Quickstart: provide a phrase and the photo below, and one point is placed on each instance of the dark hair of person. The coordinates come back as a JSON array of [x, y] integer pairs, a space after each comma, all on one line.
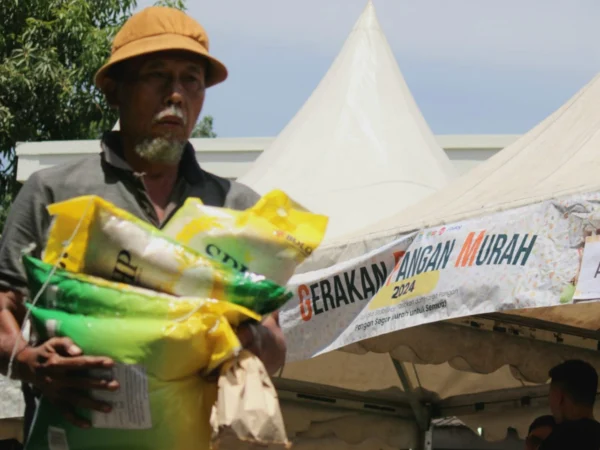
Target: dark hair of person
[[578, 379]]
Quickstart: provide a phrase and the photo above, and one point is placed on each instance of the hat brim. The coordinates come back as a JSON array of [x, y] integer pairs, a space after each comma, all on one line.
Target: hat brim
[[217, 72]]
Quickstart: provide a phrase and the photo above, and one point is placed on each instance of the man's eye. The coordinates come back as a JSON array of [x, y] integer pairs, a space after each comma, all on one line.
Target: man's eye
[[155, 76], [191, 79], [193, 82]]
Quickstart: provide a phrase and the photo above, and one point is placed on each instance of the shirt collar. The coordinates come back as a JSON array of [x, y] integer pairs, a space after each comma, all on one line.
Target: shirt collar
[[113, 155]]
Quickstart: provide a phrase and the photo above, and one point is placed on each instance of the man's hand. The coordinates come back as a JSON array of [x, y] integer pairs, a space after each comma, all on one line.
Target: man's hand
[[59, 370], [266, 341]]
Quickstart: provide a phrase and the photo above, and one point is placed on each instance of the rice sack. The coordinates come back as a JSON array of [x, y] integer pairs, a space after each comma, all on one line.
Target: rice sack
[[114, 244], [272, 238], [161, 345]]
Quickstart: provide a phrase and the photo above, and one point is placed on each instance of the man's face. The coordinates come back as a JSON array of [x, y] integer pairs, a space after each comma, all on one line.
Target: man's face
[[536, 437], [159, 99]]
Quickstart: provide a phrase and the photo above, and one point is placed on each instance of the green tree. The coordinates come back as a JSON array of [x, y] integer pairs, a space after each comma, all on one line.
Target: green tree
[[4, 206], [49, 53], [204, 128], [179, 4]]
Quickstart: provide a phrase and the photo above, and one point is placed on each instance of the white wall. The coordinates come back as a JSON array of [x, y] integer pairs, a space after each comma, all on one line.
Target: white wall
[[231, 157]]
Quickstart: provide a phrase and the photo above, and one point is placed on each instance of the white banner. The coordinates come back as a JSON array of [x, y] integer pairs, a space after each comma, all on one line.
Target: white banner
[[521, 258]]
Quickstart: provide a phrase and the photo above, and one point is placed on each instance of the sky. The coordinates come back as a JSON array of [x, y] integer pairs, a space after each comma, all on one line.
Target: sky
[[473, 66]]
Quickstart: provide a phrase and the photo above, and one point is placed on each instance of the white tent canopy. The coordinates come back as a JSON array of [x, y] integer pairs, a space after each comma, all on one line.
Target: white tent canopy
[[558, 157], [359, 143], [487, 370]]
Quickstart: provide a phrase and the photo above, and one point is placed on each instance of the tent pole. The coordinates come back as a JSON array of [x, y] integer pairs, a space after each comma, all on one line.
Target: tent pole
[[421, 413], [425, 440], [428, 439]]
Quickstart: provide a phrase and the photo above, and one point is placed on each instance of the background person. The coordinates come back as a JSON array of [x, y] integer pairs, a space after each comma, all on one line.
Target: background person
[[572, 396]]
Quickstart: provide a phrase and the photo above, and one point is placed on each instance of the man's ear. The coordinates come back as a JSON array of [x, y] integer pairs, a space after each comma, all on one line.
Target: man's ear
[[563, 397], [111, 92]]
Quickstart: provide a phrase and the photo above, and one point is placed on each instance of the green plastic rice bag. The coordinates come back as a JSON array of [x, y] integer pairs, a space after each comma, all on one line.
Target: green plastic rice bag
[[161, 345], [89, 235]]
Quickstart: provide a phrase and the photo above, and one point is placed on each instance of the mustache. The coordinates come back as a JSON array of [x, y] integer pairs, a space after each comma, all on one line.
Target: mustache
[[171, 111]]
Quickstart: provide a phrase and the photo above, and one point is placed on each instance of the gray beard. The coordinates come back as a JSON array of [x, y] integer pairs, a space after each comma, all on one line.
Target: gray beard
[[160, 150]]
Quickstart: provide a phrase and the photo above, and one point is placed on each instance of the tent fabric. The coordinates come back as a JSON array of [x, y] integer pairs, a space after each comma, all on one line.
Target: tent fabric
[[375, 373], [557, 158], [316, 427], [359, 147], [471, 350], [455, 355], [433, 383], [457, 437]]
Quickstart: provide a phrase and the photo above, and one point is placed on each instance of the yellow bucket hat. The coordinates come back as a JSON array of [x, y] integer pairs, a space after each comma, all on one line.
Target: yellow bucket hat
[[156, 29]]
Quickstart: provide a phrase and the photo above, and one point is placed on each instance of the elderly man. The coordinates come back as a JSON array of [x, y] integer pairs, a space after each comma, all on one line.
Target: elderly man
[[156, 77]]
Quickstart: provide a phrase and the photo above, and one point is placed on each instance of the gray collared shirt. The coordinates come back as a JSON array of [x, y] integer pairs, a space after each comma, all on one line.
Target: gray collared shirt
[[106, 175]]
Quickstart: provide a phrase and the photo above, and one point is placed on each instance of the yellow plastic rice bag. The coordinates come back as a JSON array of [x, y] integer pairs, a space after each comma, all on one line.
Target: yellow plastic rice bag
[[90, 235], [272, 238], [161, 345]]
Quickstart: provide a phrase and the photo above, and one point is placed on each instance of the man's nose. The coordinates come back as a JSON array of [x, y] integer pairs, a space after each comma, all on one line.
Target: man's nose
[[175, 96]]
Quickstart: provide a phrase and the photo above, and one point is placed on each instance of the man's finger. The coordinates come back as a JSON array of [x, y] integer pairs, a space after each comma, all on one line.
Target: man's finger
[[84, 401], [257, 331], [64, 346], [275, 317], [82, 383], [244, 334], [61, 364]]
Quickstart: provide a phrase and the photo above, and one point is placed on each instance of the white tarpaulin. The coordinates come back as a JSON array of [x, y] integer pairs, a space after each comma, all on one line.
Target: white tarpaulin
[[359, 137], [516, 259]]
